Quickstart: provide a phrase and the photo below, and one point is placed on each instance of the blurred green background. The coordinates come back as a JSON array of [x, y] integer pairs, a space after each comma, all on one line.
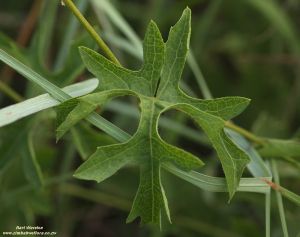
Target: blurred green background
[[247, 48]]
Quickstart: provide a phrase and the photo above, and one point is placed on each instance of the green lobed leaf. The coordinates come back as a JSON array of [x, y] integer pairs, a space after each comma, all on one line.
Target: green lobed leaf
[[156, 86], [147, 149], [233, 159]]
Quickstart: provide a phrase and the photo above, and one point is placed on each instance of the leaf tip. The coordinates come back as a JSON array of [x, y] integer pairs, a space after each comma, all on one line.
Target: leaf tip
[[77, 174], [82, 173], [247, 100], [197, 164], [152, 23], [82, 49], [153, 29], [231, 195], [188, 10], [187, 13], [58, 136]]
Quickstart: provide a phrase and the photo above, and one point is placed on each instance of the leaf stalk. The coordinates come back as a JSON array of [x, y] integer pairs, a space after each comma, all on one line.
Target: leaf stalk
[[10, 92], [250, 136], [91, 31]]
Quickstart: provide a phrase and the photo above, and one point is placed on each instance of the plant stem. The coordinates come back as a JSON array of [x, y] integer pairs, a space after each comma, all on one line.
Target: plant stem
[[250, 136], [29, 187], [199, 76], [96, 196], [91, 31], [10, 92], [268, 214], [279, 200]]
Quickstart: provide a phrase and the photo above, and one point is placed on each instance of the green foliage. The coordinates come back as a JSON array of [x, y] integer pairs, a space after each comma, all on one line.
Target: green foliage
[[32, 168], [12, 138], [280, 148], [248, 48], [156, 94]]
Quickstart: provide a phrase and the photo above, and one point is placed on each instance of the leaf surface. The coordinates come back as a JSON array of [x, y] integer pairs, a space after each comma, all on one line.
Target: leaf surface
[[156, 87]]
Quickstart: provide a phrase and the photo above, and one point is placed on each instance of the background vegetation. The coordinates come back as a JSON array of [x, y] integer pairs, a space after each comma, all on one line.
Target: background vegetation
[[247, 48]]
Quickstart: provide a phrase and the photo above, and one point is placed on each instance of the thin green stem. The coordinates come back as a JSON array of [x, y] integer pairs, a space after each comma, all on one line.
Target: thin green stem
[[199, 76], [279, 200], [268, 214], [250, 136], [96, 196], [10, 92], [91, 31]]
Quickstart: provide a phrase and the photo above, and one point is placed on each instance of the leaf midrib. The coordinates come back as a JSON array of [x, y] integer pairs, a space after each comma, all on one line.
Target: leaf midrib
[[152, 158]]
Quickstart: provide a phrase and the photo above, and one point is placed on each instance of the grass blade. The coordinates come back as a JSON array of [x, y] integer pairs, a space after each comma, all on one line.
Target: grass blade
[[31, 166], [20, 110], [257, 166], [119, 21], [45, 30], [279, 201], [290, 195], [216, 184], [122, 43], [199, 76], [60, 95], [33, 76], [268, 214]]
